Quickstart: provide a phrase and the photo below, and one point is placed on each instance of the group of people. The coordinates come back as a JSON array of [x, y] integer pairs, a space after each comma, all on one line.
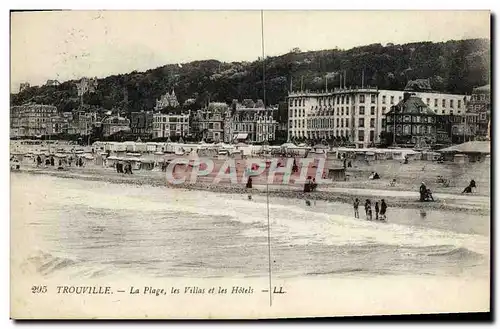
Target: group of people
[[49, 161], [380, 209], [124, 168], [310, 185]]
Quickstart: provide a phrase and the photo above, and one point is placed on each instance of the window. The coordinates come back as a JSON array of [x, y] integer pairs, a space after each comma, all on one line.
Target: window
[[383, 109], [459, 103], [444, 102], [347, 122], [451, 112], [372, 123], [347, 99], [428, 101], [361, 110], [372, 135], [451, 103], [337, 111], [383, 99], [361, 135], [320, 102], [372, 99], [343, 98], [406, 129], [342, 123], [337, 122], [372, 110], [342, 110], [361, 122], [407, 118], [338, 100], [392, 100], [295, 102], [361, 98], [442, 111], [347, 111], [483, 116], [400, 98], [294, 123]]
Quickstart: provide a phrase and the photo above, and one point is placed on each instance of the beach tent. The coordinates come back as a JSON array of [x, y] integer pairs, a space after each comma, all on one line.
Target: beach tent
[[288, 145], [475, 151], [152, 147]]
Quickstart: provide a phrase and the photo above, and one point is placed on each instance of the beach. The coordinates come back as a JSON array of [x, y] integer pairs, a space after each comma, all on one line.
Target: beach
[[403, 194], [98, 232]]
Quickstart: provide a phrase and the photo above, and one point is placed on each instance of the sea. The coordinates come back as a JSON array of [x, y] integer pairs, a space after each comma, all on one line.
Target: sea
[[94, 229]]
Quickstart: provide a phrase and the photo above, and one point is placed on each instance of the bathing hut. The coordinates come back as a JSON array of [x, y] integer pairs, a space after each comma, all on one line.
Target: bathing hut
[[141, 148], [152, 147], [147, 164], [475, 151], [111, 161]]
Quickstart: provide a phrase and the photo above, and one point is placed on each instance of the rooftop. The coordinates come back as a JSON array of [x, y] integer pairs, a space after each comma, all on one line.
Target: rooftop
[[412, 105], [469, 147]]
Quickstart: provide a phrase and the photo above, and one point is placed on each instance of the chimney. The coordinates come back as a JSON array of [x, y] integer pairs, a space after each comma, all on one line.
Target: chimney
[[406, 96]]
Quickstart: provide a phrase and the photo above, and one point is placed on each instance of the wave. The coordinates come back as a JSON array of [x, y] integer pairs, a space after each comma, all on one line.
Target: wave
[[47, 264]]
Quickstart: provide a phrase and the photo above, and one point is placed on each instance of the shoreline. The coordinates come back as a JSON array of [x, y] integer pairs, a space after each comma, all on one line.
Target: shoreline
[[452, 202]]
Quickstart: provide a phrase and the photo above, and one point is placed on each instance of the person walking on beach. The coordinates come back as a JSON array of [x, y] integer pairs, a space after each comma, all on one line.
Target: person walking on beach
[[383, 210], [376, 210], [356, 206], [368, 209]]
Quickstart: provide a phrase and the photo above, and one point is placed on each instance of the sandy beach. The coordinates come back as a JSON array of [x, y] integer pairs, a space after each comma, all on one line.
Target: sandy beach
[[403, 194]]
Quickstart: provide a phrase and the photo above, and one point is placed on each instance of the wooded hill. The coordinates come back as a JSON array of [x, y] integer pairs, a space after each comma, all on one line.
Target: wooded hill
[[452, 66]]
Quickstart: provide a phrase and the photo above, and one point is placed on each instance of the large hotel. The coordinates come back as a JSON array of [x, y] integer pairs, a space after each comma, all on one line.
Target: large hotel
[[357, 113]]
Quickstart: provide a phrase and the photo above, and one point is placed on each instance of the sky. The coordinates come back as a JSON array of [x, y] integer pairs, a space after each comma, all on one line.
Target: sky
[[69, 45]]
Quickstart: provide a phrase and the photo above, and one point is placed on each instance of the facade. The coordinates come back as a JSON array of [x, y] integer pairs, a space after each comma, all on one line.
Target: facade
[[170, 125], [356, 114], [257, 124], [83, 122], [167, 100], [440, 103], [141, 123], [32, 120], [63, 123], [480, 106], [349, 113], [212, 122], [113, 124], [411, 121]]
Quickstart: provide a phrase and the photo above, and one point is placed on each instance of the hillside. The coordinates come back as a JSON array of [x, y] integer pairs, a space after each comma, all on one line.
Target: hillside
[[452, 66]]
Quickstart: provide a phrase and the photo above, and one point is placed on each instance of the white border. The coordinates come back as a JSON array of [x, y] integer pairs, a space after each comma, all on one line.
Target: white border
[[186, 4]]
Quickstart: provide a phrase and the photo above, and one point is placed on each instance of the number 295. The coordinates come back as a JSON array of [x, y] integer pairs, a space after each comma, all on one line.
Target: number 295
[[38, 289]]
